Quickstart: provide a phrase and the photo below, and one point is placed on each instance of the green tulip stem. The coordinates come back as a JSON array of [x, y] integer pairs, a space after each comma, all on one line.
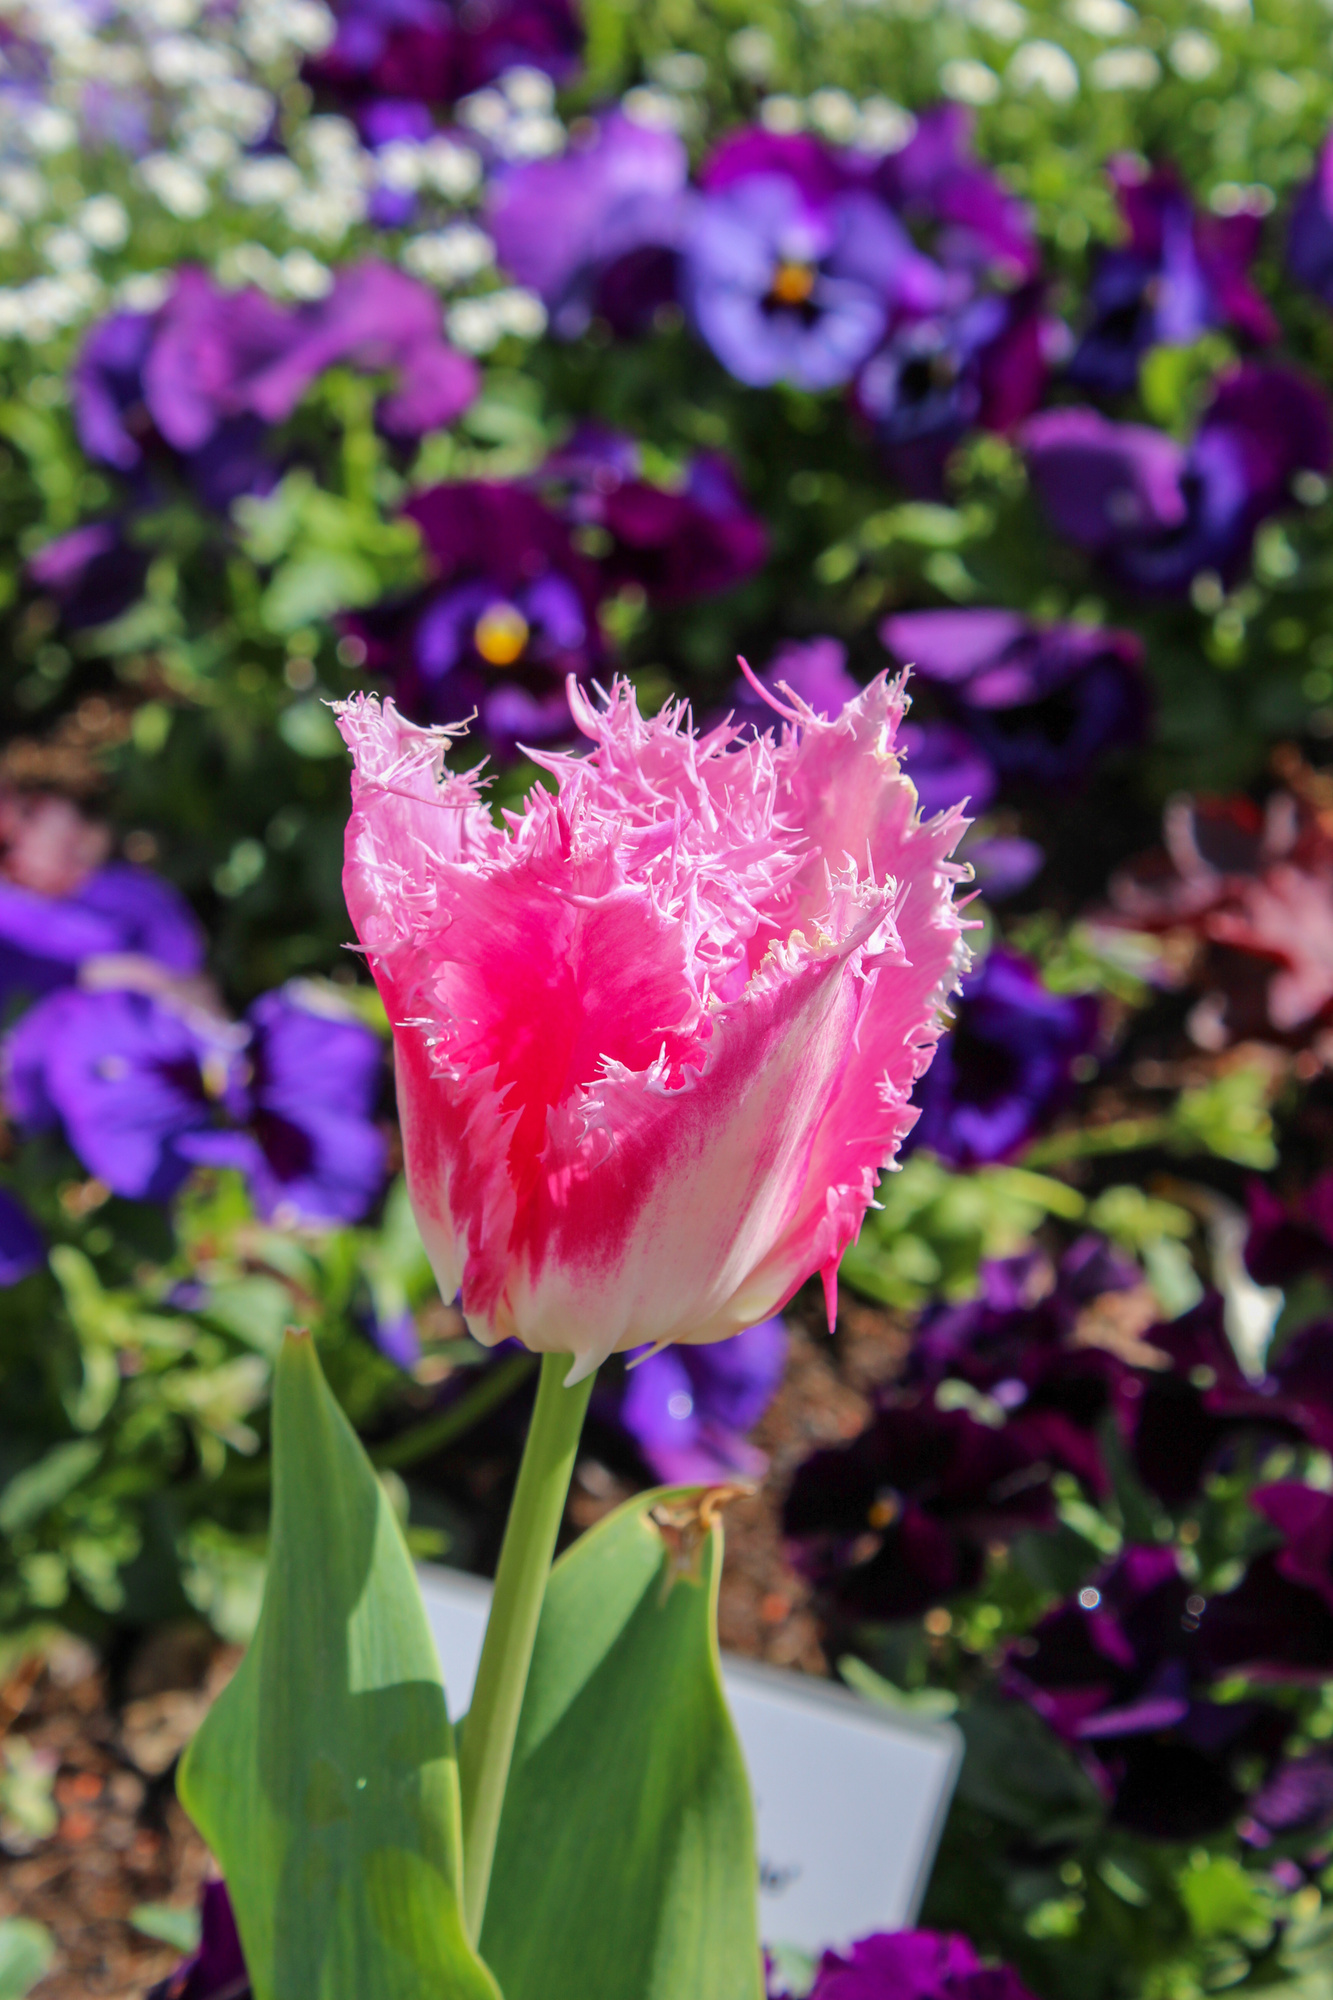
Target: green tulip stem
[[520, 1584]]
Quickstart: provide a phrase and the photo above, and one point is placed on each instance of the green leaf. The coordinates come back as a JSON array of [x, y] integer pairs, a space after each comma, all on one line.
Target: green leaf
[[324, 1777], [625, 1867], [40, 1487], [169, 1924], [26, 1950]]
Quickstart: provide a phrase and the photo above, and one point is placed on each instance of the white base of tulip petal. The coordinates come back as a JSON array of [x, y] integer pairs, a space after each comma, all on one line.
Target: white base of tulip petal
[[849, 1798]]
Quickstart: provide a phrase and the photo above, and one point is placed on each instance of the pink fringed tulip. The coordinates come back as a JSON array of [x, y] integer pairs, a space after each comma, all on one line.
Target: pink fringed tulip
[[655, 1036]]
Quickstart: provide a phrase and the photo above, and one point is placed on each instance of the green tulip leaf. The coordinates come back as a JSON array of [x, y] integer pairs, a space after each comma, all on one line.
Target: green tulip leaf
[[625, 1867], [324, 1777]]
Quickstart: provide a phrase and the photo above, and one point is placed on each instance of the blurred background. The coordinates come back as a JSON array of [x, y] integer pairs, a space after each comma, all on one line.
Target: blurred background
[[445, 348]]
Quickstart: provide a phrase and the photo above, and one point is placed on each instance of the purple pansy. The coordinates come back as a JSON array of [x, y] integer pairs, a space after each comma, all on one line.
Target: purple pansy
[[511, 611], [913, 1965], [384, 121], [934, 182], [1005, 1066], [814, 670], [93, 573], [982, 364], [206, 376], [147, 1089], [116, 914], [900, 1518], [1180, 274], [1043, 702], [1115, 1671], [688, 1408], [793, 266], [947, 767], [1277, 1624], [597, 232], [1287, 1242], [436, 51], [21, 1248], [1310, 238], [1295, 1798], [1158, 512], [216, 1971]]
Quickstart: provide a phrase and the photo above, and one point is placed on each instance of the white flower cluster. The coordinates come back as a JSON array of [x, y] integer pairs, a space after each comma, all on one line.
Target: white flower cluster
[[874, 125], [137, 134]]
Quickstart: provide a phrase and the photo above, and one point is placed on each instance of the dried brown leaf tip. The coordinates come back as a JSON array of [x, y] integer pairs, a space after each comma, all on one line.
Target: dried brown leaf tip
[[686, 1522]]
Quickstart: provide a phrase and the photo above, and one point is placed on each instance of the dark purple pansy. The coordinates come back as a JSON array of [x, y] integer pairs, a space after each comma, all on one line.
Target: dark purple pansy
[[937, 185], [93, 573], [1114, 1672], [1287, 1242], [1044, 702], [1277, 1624], [217, 1970], [598, 230], [1180, 273], [1295, 1798], [383, 121], [1005, 1066], [900, 1518], [147, 1089], [510, 611], [688, 1408], [913, 1965], [118, 912], [1310, 237], [22, 1250], [947, 767], [436, 51], [983, 364], [1158, 512], [793, 266]]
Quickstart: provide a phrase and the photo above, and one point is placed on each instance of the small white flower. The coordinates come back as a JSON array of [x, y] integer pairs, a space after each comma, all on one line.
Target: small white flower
[[447, 257], [325, 213], [1229, 198], [533, 139], [969, 81], [781, 113], [10, 233], [520, 312], [656, 108], [65, 249], [452, 170], [485, 111], [264, 180], [329, 139], [167, 16], [177, 186], [104, 221], [1124, 69], [473, 326], [1002, 20], [210, 149], [398, 165], [251, 264], [144, 291], [752, 53], [46, 128], [1044, 66], [1103, 17], [182, 61], [528, 89], [1235, 10], [1280, 92], [679, 69], [234, 105], [1194, 56], [304, 277], [23, 192], [834, 113], [885, 127]]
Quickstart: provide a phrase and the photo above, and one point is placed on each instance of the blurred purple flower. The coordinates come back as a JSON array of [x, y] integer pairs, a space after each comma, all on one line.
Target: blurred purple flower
[[92, 572], [597, 231], [1295, 1798], [934, 182], [688, 1408], [206, 376], [1006, 1065], [981, 365], [510, 611], [1002, 864], [1287, 1242], [1158, 512], [146, 1090], [21, 1248], [1114, 1672], [1043, 702], [436, 51], [1181, 273], [900, 1518], [793, 266], [946, 766], [815, 670], [116, 914], [217, 1970], [1310, 236], [1277, 1624], [913, 1965], [383, 121]]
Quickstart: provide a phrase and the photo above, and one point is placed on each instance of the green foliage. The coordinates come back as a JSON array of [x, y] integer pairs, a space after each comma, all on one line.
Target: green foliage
[[26, 1952], [625, 1866], [324, 1778]]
